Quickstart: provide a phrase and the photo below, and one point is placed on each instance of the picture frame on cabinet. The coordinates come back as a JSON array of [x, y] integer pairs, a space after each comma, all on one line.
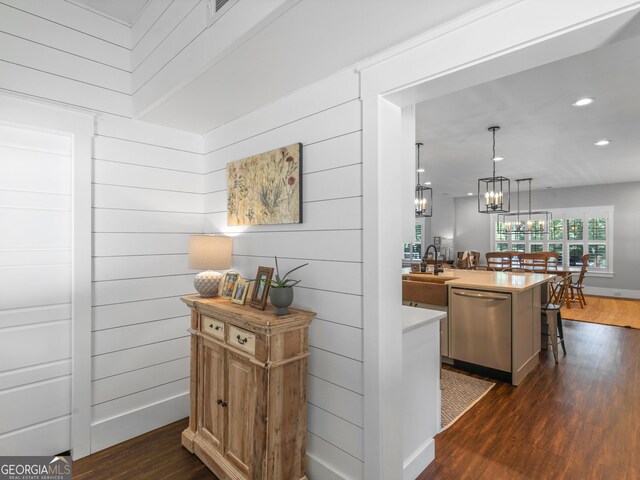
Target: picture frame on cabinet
[[261, 289], [240, 291], [228, 284]]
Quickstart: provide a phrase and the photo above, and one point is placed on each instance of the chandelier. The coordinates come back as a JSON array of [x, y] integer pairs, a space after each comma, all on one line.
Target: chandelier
[[529, 222], [424, 194], [494, 192]]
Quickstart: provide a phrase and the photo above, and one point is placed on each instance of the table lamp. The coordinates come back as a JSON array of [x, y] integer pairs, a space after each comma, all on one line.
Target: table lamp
[[209, 253]]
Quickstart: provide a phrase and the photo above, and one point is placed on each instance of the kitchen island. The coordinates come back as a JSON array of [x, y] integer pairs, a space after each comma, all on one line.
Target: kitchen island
[[493, 318]]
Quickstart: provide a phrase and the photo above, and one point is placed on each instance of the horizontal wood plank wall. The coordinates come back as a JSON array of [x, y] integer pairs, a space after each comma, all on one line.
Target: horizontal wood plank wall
[[326, 119], [147, 199], [35, 281], [56, 50]]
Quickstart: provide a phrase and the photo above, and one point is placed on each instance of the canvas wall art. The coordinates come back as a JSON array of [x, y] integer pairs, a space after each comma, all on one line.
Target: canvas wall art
[[265, 189]]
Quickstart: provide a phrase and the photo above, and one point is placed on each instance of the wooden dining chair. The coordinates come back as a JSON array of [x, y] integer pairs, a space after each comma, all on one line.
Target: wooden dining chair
[[483, 268], [534, 262], [552, 261], [552, 310], [499, 260], [577, 288]]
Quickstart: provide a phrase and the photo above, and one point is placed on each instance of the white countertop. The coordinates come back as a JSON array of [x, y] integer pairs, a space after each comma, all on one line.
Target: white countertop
[[495, 281], [414, 317]]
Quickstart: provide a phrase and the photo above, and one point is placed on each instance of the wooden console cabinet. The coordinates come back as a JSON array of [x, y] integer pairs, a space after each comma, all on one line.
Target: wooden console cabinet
[[248, 415]]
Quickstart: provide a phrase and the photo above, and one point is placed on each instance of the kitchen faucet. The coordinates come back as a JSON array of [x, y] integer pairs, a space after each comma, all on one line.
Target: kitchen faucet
[[436, 270]]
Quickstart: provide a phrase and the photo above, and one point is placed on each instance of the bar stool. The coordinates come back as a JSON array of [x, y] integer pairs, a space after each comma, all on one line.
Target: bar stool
[[554, 317]]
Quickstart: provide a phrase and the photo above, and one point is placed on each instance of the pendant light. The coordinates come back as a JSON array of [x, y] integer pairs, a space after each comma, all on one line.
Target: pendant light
[[537, 221], [494, 192], [423, 194]]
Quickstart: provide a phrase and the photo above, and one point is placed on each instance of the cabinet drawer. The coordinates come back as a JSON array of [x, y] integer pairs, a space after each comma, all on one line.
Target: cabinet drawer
[[242, 339], [213, 327]]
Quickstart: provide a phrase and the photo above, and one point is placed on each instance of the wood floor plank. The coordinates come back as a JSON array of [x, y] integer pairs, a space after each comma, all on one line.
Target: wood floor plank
[[573, 420], [156, 455], [621, 312]]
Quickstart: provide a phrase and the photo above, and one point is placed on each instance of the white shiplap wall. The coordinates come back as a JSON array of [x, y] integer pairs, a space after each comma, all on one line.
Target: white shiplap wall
[[55, 50], [326, 119], [147, 199], [35, 286]]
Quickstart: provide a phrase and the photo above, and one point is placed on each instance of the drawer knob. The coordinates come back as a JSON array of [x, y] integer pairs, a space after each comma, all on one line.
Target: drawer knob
[[222, 403], [218, 327], [242, 341]]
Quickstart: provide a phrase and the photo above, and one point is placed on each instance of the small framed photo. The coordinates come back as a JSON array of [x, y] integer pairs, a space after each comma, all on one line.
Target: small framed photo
[[437, 241], [240, 291], [228, 283], [261, 288]]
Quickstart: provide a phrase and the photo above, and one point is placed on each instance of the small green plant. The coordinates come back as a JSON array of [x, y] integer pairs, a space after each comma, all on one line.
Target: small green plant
[[281, 282]]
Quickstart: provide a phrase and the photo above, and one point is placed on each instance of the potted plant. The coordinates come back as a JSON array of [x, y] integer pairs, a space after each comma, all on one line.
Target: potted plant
[[281, 292]]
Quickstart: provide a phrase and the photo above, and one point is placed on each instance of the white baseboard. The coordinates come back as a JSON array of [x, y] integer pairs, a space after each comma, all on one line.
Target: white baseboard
[[318, 470], [131, 424], [419, 460], [612, 292]]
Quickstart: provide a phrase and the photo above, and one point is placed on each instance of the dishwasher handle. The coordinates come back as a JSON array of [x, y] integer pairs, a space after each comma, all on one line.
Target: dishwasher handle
[[479, 295]]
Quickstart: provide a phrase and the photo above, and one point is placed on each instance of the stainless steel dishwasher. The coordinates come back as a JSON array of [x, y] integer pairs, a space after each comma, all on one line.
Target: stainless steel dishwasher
[[480, 328]]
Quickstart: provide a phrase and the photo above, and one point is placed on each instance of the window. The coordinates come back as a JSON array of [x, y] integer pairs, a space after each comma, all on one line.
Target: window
[[573, 232], [417, 246]]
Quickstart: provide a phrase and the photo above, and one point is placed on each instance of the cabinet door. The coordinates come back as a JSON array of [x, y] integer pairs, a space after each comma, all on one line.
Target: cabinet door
[[211, 387], [241, 411]]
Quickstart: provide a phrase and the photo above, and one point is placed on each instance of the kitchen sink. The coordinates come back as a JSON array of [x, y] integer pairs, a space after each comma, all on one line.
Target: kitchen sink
[[425, 288]]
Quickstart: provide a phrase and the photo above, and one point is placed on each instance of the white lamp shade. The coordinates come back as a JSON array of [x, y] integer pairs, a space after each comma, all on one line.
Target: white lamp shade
[[209, 252]]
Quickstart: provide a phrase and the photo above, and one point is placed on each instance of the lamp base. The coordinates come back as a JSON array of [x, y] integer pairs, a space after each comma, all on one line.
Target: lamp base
[[207, 283]]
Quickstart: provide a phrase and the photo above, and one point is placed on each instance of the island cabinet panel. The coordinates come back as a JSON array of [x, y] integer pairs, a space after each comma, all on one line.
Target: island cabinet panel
[[248, 390]]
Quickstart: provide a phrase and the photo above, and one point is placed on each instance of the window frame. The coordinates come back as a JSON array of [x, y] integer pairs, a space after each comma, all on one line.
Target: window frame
[[583, 213]]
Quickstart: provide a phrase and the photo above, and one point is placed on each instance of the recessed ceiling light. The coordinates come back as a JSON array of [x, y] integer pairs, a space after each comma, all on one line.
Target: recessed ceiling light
[[469, 194], [602, 143], [583, 102], [497, 159], [420, 170], [427, 183]]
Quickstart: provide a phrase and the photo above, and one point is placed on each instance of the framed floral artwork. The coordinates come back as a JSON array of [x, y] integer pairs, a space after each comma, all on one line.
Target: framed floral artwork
[[266, 189]]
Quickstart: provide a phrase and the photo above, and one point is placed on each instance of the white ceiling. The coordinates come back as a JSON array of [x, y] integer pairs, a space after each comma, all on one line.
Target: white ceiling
[[310, 41], [126, 11], [542, 135]]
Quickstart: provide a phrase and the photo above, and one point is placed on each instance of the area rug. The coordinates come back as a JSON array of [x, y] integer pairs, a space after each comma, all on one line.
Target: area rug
[[619, 312], [460, 393]]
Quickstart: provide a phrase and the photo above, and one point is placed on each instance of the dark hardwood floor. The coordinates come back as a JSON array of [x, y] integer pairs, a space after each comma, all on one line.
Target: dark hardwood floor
[[576, 420], [579, 419], [155, 455]]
